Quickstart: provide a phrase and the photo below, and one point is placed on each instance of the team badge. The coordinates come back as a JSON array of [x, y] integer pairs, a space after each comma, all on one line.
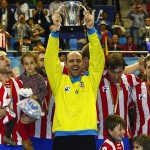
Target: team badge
[[67, 88], [141, 96], [82, 84], [77, 91], [105, 88], [129, 88]]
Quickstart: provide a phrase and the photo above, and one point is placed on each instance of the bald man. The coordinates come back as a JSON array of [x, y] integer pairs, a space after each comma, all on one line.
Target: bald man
[[75, 119]]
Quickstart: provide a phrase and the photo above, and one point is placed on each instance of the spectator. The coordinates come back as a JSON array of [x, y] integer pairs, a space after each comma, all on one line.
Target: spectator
[[118, 24], [36, 31], [115, 126], [39, 47], [104, 33], [21, 29], [39, 14], [144, 33], [114, 45], [24, 45], [104, 18], [85, 128], [22, 8], [137, 15], [139, 2], [148, 9], [118, 20], [4, 39], [129, 46], [62, 56], [7, 19]]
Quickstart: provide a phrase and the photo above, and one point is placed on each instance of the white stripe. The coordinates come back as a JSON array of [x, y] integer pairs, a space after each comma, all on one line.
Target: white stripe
[[17, 88], [0, 138], [122, 144], [5, 100], [145, 109], [100, 115], [49, 119], [110, 143], [5, 120], [1, 84]]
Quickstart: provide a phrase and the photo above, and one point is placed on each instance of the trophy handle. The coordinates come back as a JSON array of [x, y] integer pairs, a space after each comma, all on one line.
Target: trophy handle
[[58, 12], [60, 8], [83, 8]]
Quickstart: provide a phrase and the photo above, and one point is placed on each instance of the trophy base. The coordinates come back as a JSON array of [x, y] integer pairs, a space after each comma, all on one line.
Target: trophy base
[[72, 32]]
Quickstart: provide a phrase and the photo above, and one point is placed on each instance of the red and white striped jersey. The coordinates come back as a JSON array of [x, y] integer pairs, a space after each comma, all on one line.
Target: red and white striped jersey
[[141, 100], [4, 102], [42, 128], [107, 93], [109, 145], [14, 85], [4, 98], [3, 39]]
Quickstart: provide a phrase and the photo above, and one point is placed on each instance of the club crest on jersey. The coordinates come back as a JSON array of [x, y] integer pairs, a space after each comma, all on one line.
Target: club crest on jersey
[[141, 96], [105, 88], [67, 88], [104, 148], [82, 84], [129, 88], [77, 91]]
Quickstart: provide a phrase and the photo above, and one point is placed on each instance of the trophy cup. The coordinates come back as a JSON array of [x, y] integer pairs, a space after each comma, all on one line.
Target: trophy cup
[[71, 16]]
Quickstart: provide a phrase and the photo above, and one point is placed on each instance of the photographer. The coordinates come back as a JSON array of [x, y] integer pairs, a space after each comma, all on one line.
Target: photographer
[[137, 15], [21, 8], [21, 29], [144, 33], [39, 14]]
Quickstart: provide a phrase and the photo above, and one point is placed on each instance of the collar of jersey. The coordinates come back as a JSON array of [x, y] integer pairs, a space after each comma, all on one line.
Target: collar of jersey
[[75, 79]]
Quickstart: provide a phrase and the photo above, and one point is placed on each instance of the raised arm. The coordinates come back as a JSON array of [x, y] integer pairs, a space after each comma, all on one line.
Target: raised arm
[[97, 59], [52, 63], [131, 69]]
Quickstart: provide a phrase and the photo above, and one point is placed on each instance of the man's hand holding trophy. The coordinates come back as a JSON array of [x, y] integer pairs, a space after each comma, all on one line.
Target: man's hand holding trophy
[[71, 16]]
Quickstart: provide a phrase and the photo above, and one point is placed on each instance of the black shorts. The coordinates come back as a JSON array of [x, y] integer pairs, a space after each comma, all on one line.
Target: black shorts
[[75, 142]]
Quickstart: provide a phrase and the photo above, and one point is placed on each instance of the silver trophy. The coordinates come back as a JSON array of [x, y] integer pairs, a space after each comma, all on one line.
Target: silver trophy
[[72, 12]]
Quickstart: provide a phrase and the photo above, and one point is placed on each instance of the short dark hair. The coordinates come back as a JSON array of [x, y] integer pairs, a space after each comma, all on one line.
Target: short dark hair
[[128, 37], [113, 120], [85, 51], [62, 53], [114, 61]]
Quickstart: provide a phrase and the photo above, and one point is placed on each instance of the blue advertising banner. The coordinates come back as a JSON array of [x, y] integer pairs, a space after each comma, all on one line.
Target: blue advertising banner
[[100, 8]]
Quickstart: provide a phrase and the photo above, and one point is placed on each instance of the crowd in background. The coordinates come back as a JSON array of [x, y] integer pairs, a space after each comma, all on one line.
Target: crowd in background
[[21, 30]]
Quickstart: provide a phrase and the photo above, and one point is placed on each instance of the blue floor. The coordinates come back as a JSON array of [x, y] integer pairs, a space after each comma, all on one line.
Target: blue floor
[[46, 144]]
